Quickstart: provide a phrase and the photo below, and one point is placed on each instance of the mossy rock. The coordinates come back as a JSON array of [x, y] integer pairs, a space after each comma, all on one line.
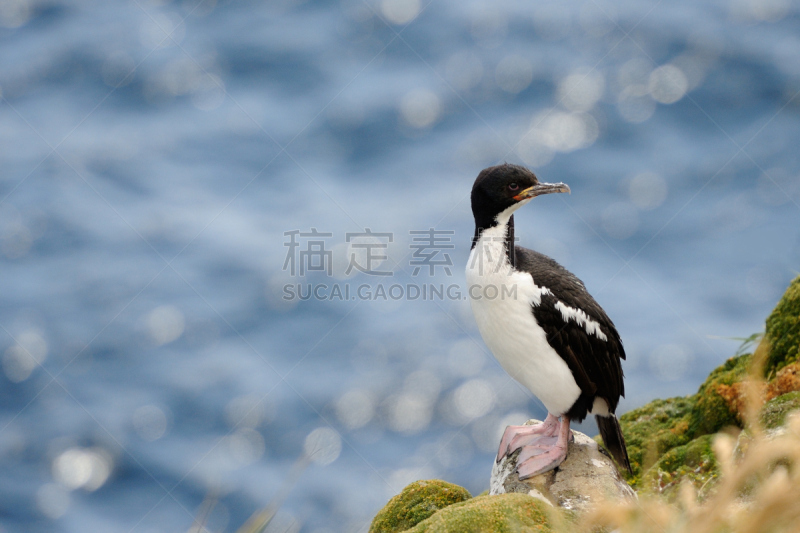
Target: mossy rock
[[504, 513], [694, 461], [783, 330], [773, 414], [415, 503], [711, 412], [653, 429]]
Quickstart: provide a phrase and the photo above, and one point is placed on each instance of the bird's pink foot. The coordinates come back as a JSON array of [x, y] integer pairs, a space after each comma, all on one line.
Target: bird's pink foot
[[546, 453], [515, 437], [538, 460]]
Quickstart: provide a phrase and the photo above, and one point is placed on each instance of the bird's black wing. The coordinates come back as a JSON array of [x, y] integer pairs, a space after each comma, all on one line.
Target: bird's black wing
[[594, 362]]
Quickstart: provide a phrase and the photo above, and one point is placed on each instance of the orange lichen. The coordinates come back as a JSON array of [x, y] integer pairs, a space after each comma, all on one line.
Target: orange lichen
[[786, 380], [735, 395]]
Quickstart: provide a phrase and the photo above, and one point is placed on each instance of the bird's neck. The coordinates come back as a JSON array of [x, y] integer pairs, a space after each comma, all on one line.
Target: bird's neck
[[506, 229]]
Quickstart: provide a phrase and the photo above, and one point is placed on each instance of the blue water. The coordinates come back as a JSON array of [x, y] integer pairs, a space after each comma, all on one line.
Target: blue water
[[155, 153]]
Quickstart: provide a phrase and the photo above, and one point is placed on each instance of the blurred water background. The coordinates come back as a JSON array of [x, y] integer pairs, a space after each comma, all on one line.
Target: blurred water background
[[154, 154]]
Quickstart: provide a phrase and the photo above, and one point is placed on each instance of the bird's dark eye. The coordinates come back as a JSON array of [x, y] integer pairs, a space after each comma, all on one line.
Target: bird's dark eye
[[513, 187]]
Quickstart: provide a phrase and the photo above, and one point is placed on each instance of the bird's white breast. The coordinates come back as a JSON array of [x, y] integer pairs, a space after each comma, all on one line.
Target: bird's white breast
[[508, 326]]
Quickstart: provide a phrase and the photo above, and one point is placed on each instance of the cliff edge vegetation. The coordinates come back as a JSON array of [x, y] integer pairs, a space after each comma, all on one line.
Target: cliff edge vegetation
[[725, 459]]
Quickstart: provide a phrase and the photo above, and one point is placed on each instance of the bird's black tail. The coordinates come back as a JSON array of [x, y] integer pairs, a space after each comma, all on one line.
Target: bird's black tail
[[613, 439]]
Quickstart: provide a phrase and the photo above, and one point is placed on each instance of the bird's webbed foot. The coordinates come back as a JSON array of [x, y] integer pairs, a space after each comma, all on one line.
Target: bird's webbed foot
[[515, 437], [546, 453]]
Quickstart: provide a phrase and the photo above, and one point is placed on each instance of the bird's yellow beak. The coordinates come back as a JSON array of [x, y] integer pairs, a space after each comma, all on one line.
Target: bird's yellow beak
[[541, 188]]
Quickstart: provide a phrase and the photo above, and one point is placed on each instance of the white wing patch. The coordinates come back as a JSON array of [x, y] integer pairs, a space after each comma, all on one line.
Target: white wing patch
[[591, 326]]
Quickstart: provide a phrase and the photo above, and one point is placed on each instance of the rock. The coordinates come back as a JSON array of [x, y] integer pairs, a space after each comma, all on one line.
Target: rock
[[506, 512], [654, 429], [415, 503], [783, 330], [587, 476]]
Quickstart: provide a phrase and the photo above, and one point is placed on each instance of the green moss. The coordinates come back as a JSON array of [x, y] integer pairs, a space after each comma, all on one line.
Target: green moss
[[711, 412], [783, 330], [504, 513], [662, 425], [694, 461], [774, 413], [654, 429], [415, 503]]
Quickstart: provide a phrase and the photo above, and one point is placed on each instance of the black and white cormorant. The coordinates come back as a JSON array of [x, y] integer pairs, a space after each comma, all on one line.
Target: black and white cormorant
[[544, 328]]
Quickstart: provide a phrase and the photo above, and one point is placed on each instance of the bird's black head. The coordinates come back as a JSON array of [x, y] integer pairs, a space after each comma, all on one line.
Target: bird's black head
[[500, 190]]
